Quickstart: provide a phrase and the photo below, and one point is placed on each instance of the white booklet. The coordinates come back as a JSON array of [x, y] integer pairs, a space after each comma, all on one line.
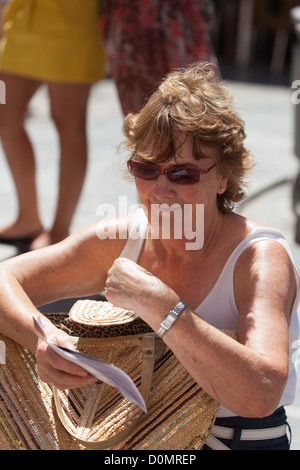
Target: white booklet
[[104, 372]]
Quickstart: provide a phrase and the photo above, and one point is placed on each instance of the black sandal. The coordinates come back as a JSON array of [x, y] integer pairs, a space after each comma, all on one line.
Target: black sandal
[[20, 241]]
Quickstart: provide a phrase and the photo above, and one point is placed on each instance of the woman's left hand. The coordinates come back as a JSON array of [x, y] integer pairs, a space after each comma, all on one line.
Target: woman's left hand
[[132, 287]]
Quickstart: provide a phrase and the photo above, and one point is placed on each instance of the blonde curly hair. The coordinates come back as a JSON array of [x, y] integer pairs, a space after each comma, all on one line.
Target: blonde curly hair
[[196, 102]]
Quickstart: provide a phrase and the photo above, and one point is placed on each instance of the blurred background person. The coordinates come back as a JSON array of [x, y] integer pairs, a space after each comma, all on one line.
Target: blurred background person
[[56, 42], [144, 40]]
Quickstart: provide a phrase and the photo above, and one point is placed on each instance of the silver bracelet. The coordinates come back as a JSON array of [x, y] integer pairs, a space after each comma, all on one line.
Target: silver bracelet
[[170, 319]]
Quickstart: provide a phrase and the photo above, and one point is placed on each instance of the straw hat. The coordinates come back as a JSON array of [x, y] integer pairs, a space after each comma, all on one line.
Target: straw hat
[[180, 414]]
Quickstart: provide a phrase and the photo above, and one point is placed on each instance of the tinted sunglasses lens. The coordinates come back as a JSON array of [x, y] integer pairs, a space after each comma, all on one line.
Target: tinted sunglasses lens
[[142, 170], [184, 176], [148, 172]]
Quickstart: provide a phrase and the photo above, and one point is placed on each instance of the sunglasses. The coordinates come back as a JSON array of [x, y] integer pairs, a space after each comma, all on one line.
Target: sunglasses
[[181, 175]]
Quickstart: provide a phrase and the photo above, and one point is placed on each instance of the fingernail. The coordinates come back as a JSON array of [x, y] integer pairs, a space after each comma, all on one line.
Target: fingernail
[[82, 373]]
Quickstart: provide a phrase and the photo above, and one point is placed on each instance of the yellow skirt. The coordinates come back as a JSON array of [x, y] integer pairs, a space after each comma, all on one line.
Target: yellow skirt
[[53, 41]]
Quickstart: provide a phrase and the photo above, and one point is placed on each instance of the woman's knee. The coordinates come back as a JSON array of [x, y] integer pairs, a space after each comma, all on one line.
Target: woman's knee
[[67, 121], [68, 106], [11, 122]]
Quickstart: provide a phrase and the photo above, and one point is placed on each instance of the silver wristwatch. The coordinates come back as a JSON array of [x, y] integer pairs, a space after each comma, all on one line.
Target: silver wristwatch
[[170, 319]]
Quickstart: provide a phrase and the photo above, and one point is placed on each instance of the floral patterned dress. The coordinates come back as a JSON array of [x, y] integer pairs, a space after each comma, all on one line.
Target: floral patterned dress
[[145, 39]]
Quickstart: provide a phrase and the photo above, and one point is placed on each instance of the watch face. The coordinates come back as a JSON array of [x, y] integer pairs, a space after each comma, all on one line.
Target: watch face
[[169, 321], [171, 318]]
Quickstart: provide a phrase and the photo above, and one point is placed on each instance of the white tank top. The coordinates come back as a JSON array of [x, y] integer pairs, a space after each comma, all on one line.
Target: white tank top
[[219, 306]]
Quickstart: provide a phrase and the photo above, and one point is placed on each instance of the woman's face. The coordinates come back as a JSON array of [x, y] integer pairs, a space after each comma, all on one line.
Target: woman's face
[[162, 192]]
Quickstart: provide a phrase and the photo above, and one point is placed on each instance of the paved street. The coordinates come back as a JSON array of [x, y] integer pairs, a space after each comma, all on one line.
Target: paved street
[[268, 113]]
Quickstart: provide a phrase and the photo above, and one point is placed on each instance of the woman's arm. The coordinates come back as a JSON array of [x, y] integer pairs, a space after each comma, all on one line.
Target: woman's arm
[[248, 376], [73, 268]]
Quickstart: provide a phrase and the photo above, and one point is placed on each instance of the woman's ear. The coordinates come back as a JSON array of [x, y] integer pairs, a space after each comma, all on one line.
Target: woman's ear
[[222, 185]]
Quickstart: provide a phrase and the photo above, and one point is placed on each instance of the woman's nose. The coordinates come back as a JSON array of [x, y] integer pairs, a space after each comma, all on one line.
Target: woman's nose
[[164, 188]]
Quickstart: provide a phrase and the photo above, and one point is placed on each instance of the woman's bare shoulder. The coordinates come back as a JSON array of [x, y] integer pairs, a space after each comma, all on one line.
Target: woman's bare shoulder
[[105, 238]]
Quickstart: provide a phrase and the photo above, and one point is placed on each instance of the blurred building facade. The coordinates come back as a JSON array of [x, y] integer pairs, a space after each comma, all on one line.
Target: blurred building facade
[[254, 39]]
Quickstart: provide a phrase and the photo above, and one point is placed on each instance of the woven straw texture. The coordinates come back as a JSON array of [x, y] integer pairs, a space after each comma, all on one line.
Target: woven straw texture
[[180, 414]]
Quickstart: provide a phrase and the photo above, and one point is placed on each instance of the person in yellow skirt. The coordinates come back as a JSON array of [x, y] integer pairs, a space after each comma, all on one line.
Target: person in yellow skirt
[[56, 42]]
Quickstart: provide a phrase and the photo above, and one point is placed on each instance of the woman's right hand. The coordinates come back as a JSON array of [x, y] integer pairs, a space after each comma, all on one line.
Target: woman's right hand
[[57, 371]]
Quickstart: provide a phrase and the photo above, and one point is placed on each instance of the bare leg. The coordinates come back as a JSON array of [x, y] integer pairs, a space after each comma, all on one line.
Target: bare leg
[[19, 154], [68, 110]]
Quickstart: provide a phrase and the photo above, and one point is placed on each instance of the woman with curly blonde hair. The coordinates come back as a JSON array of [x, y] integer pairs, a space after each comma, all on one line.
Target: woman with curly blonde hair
[[196, 103], [187, 151]]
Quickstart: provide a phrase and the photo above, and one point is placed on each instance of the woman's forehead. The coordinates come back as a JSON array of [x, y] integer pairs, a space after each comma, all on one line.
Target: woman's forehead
[[182, 145]]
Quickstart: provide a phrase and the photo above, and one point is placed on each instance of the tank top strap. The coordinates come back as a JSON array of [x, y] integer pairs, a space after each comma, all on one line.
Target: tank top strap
[[223, 290], [258, 234]]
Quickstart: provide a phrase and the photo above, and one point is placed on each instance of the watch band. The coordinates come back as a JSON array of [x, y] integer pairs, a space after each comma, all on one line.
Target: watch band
[[170, 319]]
